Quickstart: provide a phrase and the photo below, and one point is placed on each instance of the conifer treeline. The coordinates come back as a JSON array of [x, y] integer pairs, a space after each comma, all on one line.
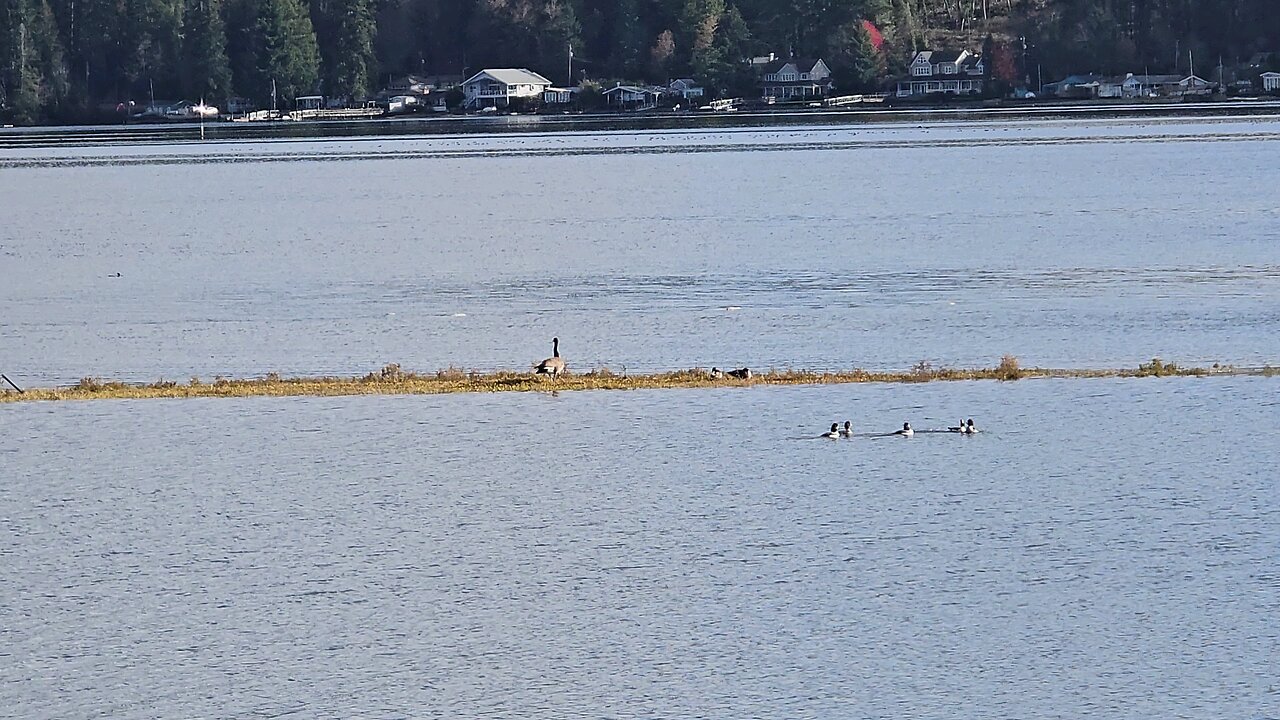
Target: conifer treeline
[[61, 58]]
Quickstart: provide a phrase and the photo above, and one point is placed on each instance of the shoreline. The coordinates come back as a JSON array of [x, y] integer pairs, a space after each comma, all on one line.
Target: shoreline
[[392, 381], [34, 136]]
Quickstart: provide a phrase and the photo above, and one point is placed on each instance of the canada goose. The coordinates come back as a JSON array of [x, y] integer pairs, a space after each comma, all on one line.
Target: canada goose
[[906, 430], [716, 373], [834, 433], [848, 429], [553, 365], [743, 374]]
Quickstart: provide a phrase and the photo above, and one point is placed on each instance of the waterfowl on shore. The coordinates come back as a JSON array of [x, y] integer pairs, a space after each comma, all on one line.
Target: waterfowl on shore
[[834, 433], [906, 430], [741, 374], [848, 429], [553, 365], [716, 373]]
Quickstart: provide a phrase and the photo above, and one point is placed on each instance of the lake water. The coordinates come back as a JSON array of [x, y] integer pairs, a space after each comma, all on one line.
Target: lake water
[[1065, 243], [1104, 548]]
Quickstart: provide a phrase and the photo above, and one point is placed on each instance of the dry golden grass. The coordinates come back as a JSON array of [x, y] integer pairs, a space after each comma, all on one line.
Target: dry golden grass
[[391, 380]]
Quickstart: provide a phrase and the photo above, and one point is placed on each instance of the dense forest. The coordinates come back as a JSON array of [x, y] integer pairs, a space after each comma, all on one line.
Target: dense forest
[[67, 59]]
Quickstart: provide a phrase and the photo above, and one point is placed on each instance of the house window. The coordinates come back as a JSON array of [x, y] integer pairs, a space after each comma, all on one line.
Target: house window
[[920, 71]]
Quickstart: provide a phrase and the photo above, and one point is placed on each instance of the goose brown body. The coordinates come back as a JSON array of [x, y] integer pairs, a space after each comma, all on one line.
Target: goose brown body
[[553, 365]]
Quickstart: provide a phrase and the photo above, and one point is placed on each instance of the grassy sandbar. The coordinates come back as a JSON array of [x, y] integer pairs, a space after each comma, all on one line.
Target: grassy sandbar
[[391, 380]]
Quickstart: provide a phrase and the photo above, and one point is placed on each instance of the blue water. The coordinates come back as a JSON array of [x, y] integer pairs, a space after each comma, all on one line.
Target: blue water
[[1102, 548]]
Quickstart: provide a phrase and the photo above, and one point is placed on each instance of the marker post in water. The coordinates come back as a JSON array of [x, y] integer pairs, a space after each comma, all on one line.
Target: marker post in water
[[11, 384]]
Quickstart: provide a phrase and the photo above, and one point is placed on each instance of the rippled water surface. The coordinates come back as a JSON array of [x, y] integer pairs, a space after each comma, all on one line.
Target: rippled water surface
[[1104, 549], [1064, 242]]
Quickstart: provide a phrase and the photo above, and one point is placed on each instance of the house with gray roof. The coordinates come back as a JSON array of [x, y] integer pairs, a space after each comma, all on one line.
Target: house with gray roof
[[499, 87], [1140, 86], [795, 79], [943, 72], [632, 97]]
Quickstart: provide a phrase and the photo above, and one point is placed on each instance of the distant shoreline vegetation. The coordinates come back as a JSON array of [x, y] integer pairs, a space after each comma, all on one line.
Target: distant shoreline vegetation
[[392, 380], [63, 61]]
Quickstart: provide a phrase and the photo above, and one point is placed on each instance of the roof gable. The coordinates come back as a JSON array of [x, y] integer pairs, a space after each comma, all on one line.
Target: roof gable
[[800, 65], [630, 88], [510, 76]]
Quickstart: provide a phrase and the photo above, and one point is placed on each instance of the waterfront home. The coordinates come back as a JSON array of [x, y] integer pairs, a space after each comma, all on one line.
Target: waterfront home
[[499, 87], [559, 96], [399, 104], [685, 88], [1195, 85], [943, 72], [409, 85], [1271, 82], [631, 97], [795, 79], [1152, 86], [1074, 86]]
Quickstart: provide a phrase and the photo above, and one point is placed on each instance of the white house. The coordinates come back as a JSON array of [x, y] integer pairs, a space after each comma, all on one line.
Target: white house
[[630, 97], [559, 96], [795, 79], [1270, 81], [498, 87], [944, 72], [686, 88]]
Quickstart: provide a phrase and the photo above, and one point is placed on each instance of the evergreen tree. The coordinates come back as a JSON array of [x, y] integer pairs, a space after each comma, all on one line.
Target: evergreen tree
[[150, 41], [206, 72], [558, 29], [285, 50], [352, 64], [699, 20], [628, 31], [116, 50], [857, 66], [723, 67], [32, 73]]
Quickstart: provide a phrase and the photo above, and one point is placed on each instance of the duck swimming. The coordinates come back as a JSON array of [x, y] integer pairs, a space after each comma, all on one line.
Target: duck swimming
[[906, 430], [958, 429], [834, 433], [970, 429], [847, 431]]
